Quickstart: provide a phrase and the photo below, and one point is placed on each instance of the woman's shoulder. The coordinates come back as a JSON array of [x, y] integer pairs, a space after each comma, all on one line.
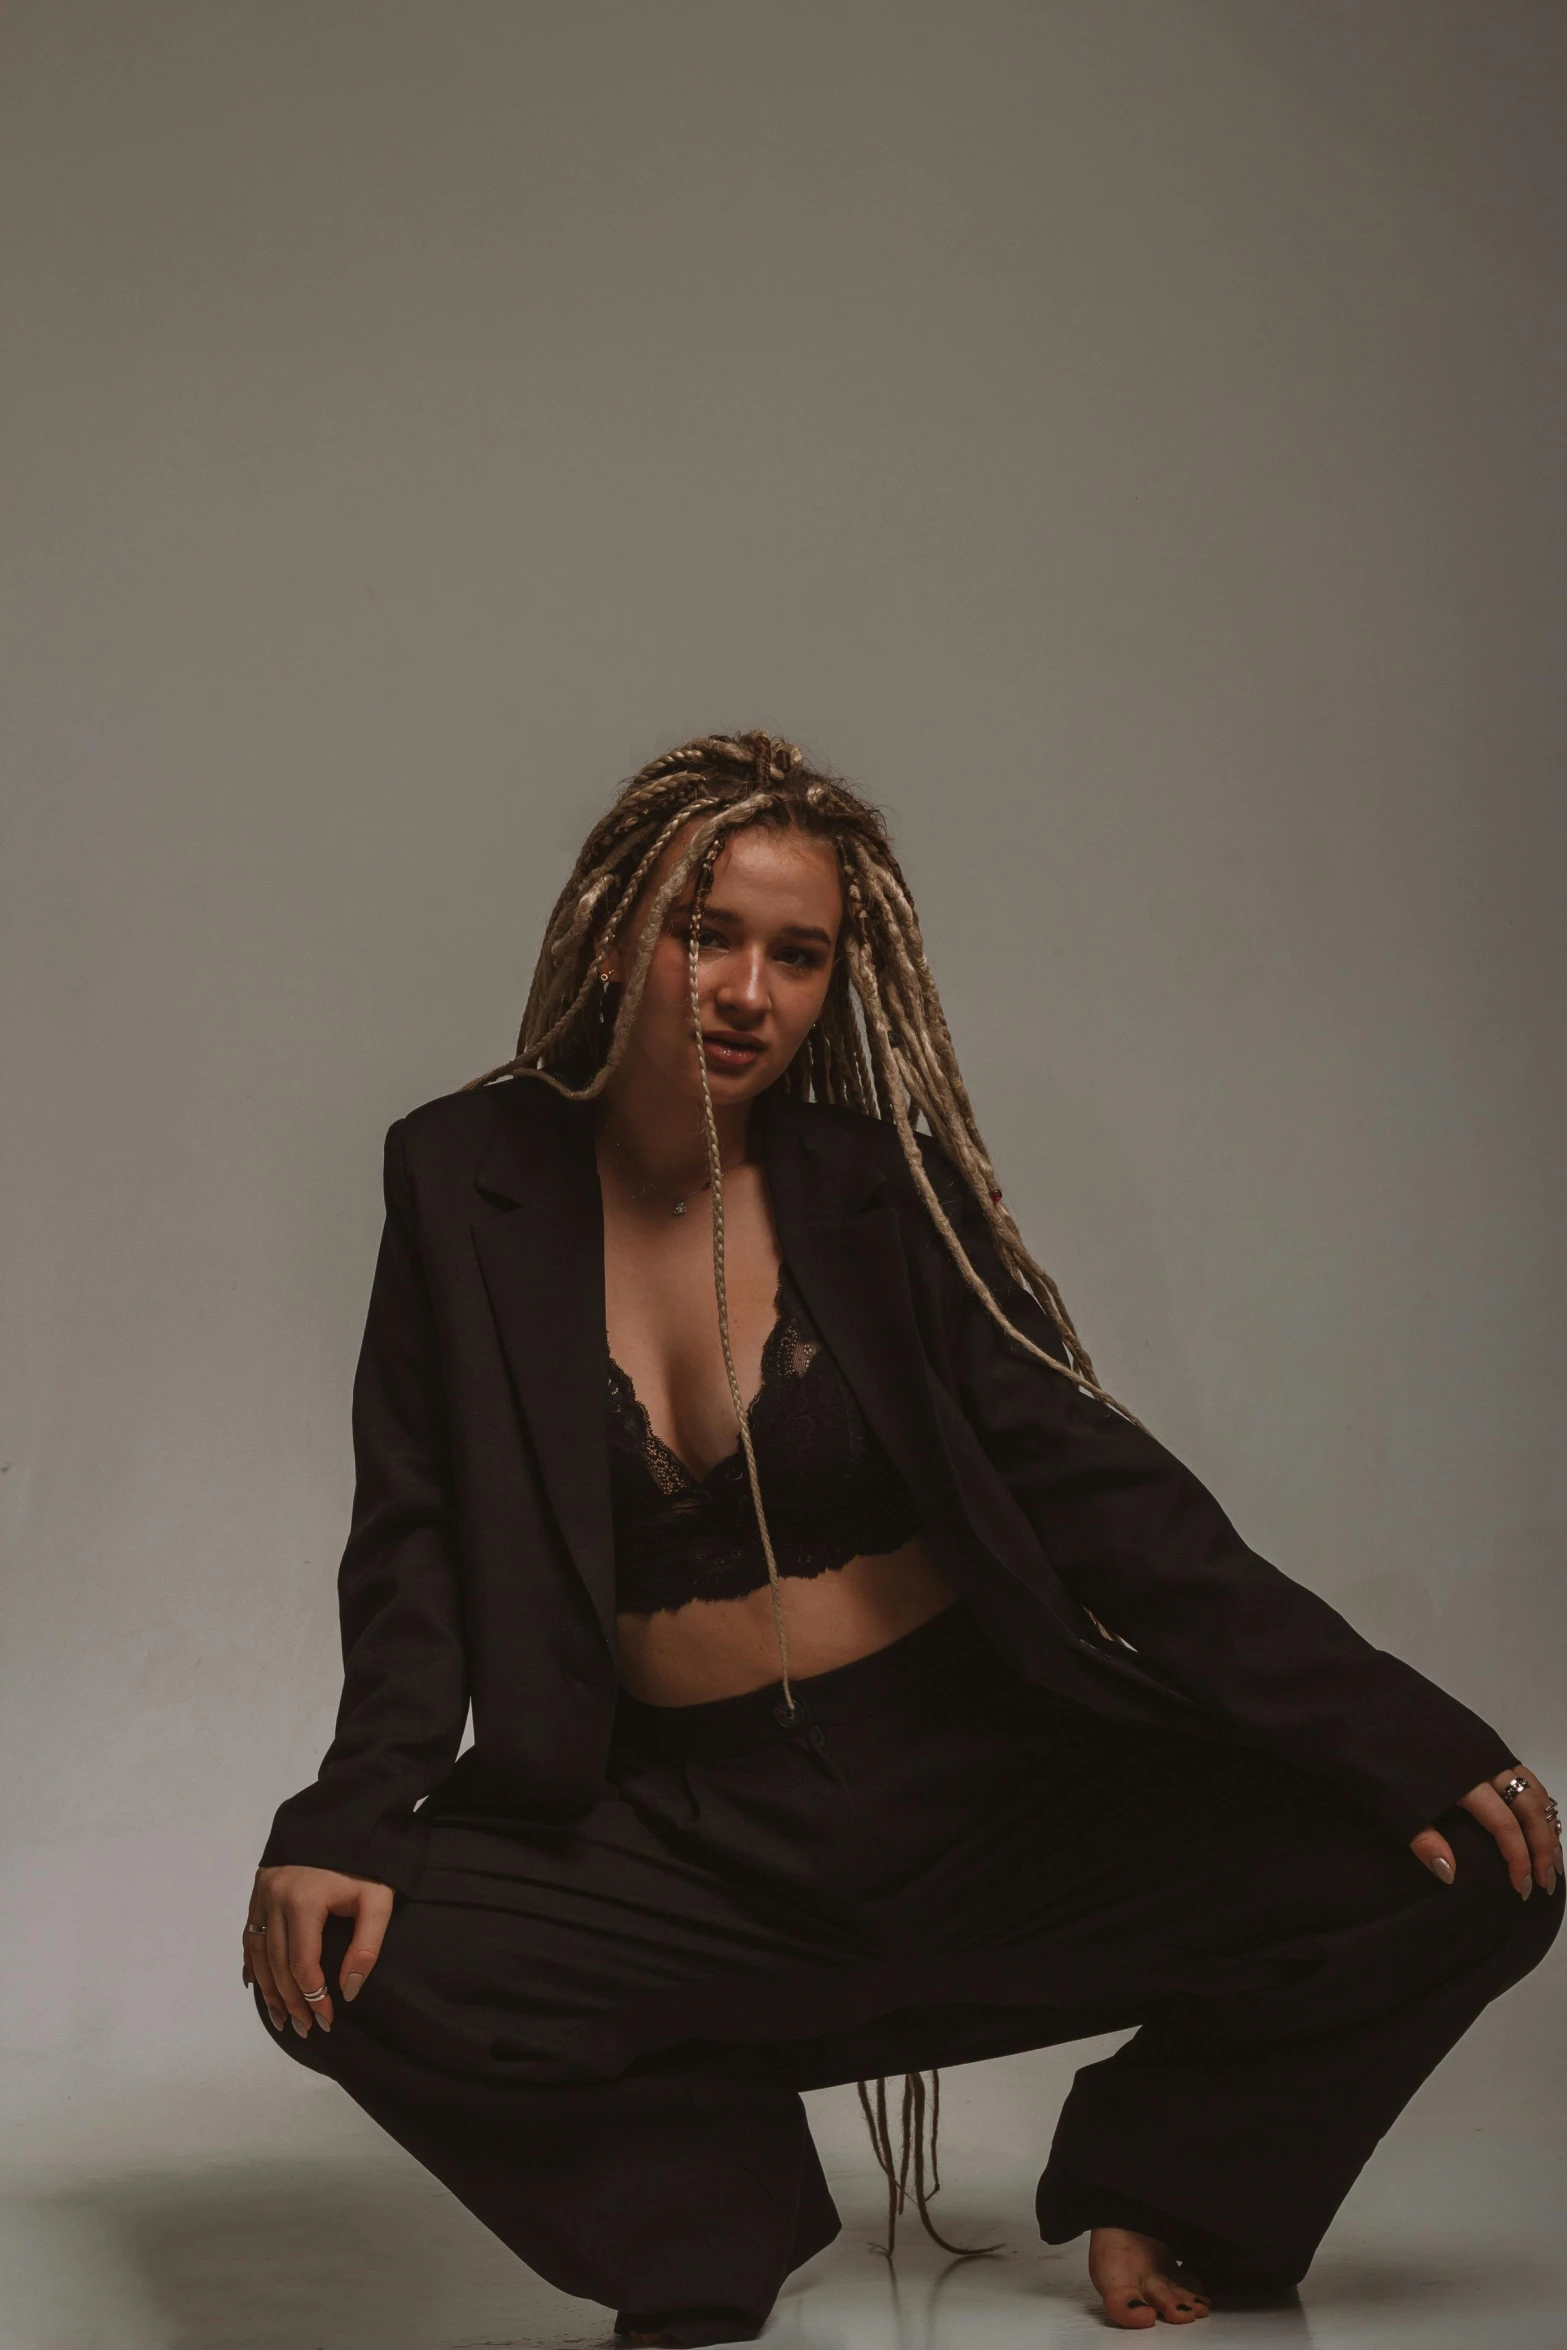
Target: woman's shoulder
[[872, 1146], [451, 1118], [505, 1124]]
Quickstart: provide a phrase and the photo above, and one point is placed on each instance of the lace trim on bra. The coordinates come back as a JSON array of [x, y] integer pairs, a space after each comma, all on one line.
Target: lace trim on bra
[[787, 1353]]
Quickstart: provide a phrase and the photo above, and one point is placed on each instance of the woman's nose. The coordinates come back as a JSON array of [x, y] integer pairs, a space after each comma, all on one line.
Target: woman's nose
[[742, 984]]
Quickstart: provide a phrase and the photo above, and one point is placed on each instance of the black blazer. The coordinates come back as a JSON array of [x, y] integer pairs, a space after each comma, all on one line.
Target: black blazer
[[480, 1560]]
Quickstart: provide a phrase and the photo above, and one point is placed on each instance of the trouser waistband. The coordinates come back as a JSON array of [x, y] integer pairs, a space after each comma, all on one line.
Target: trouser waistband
[[947, 1656]]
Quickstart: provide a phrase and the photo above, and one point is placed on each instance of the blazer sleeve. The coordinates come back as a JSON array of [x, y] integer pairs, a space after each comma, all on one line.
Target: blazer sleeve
[[405, 1682], [1139, 1541]]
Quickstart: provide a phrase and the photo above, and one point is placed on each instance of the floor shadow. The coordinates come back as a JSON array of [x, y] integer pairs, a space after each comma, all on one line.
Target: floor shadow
[[371, 2254], [1363, 2284], [317, 2256]]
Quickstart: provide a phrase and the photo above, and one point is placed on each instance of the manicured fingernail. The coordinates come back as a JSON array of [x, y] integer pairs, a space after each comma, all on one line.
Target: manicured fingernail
[[1550, 1880], [300, 2026], [276, 2021], [1136, 2303], [322, 2024], [351, 1985], [1443, 1869]]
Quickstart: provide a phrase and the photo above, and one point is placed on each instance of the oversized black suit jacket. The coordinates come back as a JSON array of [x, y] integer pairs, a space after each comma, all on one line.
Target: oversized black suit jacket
[[480, 1560]]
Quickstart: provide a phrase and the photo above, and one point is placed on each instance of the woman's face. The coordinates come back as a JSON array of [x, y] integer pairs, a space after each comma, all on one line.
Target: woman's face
[[769, 934]]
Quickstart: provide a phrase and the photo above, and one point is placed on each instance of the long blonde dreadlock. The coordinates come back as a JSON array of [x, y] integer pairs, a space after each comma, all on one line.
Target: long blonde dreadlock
[[880, 1045]]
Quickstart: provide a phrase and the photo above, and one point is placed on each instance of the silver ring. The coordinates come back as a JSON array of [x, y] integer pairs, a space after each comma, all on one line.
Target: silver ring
[[261, 1930], [1551, 1812], [1514, 1788], [315, 1997]]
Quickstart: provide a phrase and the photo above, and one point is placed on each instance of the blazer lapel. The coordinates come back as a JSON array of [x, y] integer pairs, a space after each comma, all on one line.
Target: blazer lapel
[[838, 1230], [543, 1267]]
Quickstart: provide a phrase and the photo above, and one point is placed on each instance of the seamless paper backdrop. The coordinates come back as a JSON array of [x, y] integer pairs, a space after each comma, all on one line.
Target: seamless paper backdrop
[[1128, 441]]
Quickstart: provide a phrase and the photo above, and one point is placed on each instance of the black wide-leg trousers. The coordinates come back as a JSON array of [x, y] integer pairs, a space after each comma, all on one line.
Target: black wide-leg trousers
[[596, 2035]]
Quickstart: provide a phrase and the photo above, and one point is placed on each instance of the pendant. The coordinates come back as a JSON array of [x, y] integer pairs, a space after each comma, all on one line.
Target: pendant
[[679, 1208]]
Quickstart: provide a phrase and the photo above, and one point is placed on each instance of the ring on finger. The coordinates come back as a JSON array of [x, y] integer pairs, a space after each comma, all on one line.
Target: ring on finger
[[315, 1997], [1514, 1788], [255, 1929]]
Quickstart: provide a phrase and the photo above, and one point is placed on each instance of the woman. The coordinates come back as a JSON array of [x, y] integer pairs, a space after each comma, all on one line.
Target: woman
[[942, 1714]]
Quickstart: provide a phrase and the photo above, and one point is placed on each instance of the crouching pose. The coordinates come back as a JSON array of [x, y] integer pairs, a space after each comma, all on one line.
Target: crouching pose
[[858, 1687]]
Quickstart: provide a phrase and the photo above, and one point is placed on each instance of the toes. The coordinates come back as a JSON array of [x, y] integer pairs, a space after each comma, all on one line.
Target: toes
[[1177, 2300], [1130, 2309]]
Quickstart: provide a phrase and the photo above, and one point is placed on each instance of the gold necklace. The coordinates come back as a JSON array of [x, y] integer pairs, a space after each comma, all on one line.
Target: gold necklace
[[677, 1207]]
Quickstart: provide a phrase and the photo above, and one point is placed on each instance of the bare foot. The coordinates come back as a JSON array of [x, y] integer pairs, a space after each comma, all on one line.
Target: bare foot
[[1140, 2280]]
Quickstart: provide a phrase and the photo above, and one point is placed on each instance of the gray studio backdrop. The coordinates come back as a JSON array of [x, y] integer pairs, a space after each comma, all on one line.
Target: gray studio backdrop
[[1125, 439]]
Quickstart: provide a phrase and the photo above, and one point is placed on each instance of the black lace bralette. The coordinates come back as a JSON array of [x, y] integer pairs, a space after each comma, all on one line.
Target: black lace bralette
[[830, 1491]]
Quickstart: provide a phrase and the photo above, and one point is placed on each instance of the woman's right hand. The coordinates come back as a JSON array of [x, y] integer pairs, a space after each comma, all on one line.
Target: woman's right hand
[[291, 1906]]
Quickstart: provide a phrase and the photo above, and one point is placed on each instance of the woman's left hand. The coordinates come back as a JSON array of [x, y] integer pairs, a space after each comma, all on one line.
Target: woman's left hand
[[1527, 1833]]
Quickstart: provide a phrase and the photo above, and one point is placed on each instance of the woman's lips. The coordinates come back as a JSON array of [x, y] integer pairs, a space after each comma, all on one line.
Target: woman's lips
[[736, 1053]]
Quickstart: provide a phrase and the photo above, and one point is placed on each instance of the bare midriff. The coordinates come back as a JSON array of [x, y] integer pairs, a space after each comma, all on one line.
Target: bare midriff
[[722, 1647]]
